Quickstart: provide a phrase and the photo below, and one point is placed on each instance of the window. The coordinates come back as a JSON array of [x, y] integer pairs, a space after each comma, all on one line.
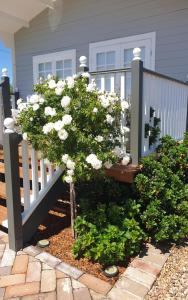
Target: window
[[118, 54], [61, 64]]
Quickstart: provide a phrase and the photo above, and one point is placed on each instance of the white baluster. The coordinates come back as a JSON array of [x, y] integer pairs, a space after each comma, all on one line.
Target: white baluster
[[26, 182], [112, 83], [51, 171], [122, 87], [102, 83], [43, 174], [34, 165]]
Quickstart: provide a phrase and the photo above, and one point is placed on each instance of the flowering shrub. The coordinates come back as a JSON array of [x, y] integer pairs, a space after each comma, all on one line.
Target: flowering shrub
[[73, 125]]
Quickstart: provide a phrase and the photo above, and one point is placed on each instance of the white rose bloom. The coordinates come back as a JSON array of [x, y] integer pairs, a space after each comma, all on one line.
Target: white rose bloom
[[90, 158], [124, 105], [109, 119], [70, 164], [22, 106], [108, 164], [49, 111], [97, 164], [52, 84], [60, 84], [65, 101], [75, 76], [99, 138], [24, 135], [117, 151], [36, 106], [125, 160], [34, 99], [20, 100], [95, 110], [104, 101], [68, 179], [41, 100], [67, 119], [31, 119], [70, 82], [125, 129], [94, 161], [58, 125], [63, 134], [65, 158], [85, 75], [49, 76], [70, 172], [58, 91], [91, 87], [48, 127]]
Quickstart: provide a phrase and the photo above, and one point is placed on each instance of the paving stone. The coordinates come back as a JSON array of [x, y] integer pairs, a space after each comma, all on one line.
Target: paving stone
[[31, 250], [5, 239], [140, 276], [2, 247], [12, 280], [2, 292], [158, 260], [8, 257], [77, 285], [49, 259], [32, 259], [46, 267], [21, 253], [131, 286], [33, 271], [97, 296], [147, 267], [1, 254], [22, 290], [64, 289], [69, 270], [95, 284], [41, 296], [5, 271], [20, 264], [60, 275], [82, 293], [151, 249], [120, 294], [48, 281]]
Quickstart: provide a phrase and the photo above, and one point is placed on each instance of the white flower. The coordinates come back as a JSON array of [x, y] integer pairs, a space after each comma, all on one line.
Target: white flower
[[49, 111], [52, 84], [41, 100], [95, 110], [68, 179], [65, 101], [24, 135], [60, 84], [49, 76], [125, 129], [58, 91], [117, 151], [67, 119], [108, 164], [70, 82], [48, 127], [46, 161], [99, 138], [20, 100], [31, 119], [125, 160], [85, 75], [34, 99], [104, 101], [63, 134], [75, 76], [94, 161], [36, 106], [70, 172], [70, 164], [65, 158], [124, 105], [91, 87], [109, 119], [58, 125], [22, 106]]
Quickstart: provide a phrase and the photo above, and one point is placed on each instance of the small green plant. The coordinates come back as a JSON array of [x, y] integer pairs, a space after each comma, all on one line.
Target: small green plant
[[163, 191]]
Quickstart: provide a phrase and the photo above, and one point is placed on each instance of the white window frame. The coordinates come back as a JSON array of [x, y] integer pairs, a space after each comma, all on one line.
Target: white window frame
[[53, 57], [147, 40]]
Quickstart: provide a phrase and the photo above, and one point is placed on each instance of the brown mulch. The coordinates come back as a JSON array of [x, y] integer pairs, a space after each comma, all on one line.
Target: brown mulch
[[56, 228]]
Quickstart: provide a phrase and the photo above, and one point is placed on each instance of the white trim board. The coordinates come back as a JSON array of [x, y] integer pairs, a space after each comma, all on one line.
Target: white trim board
[[147, 40], [53, 57]]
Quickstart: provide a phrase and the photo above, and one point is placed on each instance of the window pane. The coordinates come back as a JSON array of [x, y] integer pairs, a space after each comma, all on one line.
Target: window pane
[[101, 59], [48, 66], [110, 58], [128, 56], [67, 73], [41, 67], [68, 63], [59, 64], [42, 74], [59, 74]]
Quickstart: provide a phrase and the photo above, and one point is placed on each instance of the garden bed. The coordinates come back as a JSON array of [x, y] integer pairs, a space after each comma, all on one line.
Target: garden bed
[[56, 228]]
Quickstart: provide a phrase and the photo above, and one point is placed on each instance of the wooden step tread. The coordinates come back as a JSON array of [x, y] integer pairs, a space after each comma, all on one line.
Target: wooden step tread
[[3, 191]]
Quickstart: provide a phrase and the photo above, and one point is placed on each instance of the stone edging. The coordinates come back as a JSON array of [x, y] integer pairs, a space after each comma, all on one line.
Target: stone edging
[[133, 284]]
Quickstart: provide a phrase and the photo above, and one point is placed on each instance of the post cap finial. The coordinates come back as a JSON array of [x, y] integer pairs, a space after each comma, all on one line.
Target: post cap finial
[[4, 72], [83, 61], [9, 125], [137, 54]]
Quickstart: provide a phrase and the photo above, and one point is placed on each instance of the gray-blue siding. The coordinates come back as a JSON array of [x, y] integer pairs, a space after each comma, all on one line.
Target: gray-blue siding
[[75, 24]]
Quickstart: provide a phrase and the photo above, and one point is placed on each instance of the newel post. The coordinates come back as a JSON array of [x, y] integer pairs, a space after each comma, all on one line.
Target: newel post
[[136, 107], [83, 68], [5, 87], [12, 179]]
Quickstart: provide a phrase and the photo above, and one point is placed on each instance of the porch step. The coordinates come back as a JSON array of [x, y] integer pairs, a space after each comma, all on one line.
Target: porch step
[[3, 195]]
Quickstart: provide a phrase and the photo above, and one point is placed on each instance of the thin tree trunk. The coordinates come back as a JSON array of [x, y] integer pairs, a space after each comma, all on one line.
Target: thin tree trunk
[[73, 208]]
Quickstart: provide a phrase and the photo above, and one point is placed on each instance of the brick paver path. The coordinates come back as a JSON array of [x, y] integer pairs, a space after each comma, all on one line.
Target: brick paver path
[[32, 274]]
